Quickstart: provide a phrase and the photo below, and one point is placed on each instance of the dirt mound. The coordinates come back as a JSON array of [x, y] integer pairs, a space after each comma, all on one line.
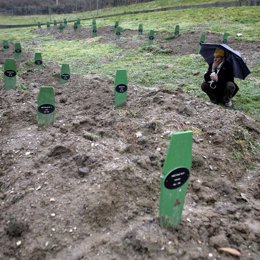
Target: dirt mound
[[88, 186]]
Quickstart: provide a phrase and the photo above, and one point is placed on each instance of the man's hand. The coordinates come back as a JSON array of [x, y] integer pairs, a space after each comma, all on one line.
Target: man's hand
[[214, 76]]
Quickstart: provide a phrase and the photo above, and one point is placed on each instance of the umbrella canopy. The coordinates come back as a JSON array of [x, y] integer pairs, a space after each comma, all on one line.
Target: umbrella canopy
[[240, 69]]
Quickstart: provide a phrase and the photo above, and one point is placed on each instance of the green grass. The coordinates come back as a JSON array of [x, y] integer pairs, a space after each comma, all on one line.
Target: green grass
[[248, 98], [160, 69], [81, 54], [21, 34]]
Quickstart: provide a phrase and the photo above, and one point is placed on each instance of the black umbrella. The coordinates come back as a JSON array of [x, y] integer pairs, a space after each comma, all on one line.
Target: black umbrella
[[240, 69]]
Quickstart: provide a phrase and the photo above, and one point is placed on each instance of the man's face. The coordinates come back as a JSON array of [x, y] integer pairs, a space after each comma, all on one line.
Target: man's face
[[218, 59]]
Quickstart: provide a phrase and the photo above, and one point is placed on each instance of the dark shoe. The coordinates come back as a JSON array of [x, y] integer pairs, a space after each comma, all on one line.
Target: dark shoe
[[228, 103]]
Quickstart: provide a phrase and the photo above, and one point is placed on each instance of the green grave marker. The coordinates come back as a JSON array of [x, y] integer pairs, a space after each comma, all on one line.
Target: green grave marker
[[94, 22], [202, 39], [39, 25], [78, 22], [225, 38], [65, 73], [65, 22], [75, 26], [177, 30], [151, 36], [48, 25], [5, 45], [94, 30], [118, 32], [140, 28], [116, 24], [38, 59], [45, 106], [61, 27], [10, 74], [120, 88], [174, 179], [55, 23], [17, 50]]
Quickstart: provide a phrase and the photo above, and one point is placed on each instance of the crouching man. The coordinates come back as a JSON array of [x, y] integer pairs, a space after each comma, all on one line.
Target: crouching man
[[219, 82]]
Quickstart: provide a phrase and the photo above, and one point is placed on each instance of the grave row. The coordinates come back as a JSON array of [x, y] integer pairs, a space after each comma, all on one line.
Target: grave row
[[117, 28], [46, 94], [10, 71], [46, 98], [17, 48], [203, 38]]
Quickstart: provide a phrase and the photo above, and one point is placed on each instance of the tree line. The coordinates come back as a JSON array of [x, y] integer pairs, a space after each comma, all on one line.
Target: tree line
[[30, 7]]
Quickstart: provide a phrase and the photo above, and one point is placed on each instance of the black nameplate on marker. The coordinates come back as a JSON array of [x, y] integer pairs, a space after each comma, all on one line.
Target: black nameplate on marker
[[65, 76], [176, 178], [121, 88], [10, 73], [38, 62], [46, 108]]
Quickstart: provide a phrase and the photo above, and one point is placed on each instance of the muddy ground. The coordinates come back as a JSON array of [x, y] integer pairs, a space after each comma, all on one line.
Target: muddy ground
[[88, 186]]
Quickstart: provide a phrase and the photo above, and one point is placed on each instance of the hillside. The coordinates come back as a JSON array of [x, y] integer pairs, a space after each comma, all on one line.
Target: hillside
[[88, 186]]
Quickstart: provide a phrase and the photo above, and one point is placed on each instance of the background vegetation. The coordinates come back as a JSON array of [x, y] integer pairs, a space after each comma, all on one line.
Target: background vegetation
[[149, 68], [25, 7], [29, 7]]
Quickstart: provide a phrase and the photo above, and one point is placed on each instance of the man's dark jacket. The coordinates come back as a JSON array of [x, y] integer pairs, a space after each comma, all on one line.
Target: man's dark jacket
[[225, 74]]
